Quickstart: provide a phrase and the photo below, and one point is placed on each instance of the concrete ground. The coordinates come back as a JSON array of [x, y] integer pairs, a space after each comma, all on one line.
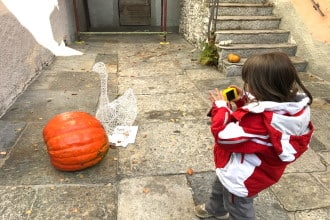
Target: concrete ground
[[148, 179]]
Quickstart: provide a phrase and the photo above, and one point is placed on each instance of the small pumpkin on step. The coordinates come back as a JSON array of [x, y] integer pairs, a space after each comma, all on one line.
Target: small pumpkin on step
[[233, 58]]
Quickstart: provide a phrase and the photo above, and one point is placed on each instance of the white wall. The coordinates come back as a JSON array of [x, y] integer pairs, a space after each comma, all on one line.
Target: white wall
[[316, 52], [31, 33]]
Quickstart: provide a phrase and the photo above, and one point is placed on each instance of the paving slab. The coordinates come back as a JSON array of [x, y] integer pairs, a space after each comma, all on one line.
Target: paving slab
[[168, 148], [9, 133], [266, 204], [320, 118], [64, 81], [111, 63], [155, 197], [15, 201], [309, 157], [75, 202], [164, 84], [301, 191], [91, 48], [35, 105], [207, 79], [55, 92], [59, 202], [268, 207], [146, 69], [323, 213], [320, 89], [171, 107], [80, 63], [205, 73], [29, 164]]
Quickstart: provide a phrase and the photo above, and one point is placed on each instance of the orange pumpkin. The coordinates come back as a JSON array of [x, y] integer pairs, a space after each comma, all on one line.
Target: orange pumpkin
[[75, 141], [233, 58]]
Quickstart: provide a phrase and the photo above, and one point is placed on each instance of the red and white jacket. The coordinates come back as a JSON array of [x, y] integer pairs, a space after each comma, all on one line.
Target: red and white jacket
[[254, 144]]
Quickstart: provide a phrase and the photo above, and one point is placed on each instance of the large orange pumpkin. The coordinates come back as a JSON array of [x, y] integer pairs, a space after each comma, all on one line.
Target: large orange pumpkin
[[75, 141]]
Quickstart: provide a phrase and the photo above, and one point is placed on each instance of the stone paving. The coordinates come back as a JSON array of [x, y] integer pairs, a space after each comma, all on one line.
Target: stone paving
[[148, 179]]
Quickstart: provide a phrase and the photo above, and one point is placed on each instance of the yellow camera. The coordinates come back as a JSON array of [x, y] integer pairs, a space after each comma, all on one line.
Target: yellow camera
[[230, 94]]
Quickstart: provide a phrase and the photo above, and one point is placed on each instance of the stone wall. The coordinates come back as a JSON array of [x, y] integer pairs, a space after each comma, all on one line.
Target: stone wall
[[30, 35], [194, 21]]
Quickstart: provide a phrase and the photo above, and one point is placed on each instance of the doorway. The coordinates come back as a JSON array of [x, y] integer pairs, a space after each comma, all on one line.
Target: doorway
[[134, 12], [126, 15]]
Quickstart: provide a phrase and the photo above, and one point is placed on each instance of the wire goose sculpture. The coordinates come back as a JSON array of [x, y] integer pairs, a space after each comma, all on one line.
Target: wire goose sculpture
[[121, 111]]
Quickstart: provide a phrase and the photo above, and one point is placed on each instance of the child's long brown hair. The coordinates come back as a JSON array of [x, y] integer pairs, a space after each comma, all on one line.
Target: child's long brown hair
[[272, 77]]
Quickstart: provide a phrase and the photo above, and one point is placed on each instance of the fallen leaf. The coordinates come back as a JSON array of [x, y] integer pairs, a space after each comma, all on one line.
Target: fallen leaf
[[146, 190], [112, 146], [126, 133]]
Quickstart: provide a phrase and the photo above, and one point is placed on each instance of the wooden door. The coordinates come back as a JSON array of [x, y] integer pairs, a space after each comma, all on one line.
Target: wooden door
[[134, 12]]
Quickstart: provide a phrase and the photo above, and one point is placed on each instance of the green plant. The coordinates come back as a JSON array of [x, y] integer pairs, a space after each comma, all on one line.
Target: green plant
[[209, 55]]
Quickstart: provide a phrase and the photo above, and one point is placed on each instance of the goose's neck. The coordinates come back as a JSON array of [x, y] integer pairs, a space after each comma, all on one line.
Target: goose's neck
[[104, 89]]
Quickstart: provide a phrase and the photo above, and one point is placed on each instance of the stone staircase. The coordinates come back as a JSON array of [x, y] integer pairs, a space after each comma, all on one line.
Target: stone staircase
[[252, 28]]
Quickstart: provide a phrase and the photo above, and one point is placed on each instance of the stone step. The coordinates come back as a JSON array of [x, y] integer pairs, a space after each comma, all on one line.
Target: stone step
[[253, 36], [247, 22], [235, 69], [241, 1], [251, 29], [240, 9], [247, 50]]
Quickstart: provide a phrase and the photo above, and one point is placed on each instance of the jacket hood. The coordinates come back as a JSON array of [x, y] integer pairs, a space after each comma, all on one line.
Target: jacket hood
[[279, 107], [289, 125]]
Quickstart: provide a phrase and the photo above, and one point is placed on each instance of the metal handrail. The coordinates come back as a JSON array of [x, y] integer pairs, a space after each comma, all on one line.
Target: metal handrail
[[213, 20], [316, 6]]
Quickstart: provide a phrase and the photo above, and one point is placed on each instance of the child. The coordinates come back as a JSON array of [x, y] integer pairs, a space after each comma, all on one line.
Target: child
[[270, 128]]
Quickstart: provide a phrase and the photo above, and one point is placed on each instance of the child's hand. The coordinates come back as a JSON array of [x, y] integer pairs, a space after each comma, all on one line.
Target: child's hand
[[239, 91], [216, 95]]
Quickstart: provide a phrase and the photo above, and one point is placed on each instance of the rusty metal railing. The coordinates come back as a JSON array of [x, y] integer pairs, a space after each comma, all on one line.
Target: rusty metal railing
[[212, 25], [317, 7]]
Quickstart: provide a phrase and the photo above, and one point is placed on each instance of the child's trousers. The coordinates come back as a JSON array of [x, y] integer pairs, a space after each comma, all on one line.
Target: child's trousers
[[222, 201]]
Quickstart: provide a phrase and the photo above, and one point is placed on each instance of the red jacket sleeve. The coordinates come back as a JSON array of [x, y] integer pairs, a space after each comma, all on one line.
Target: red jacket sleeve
[[241, 102], [239, 132], [220, 117]]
